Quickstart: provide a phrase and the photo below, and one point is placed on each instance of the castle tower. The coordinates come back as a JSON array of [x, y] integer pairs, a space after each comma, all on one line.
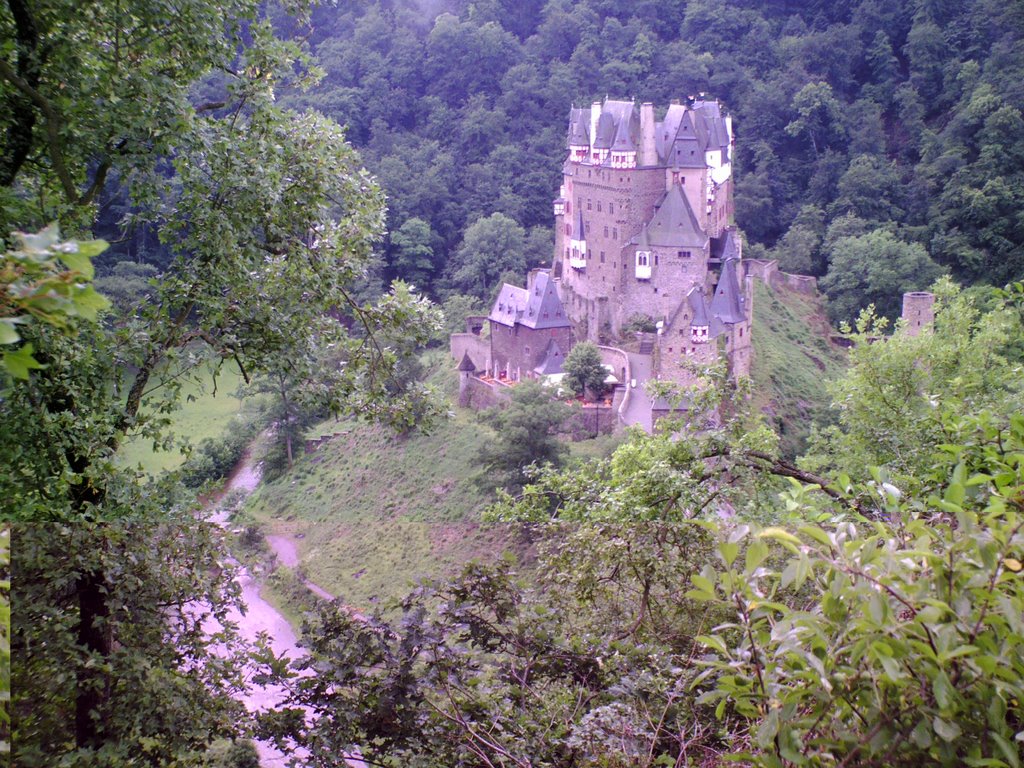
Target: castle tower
[[466, 371], [623, 169], [918, 312]]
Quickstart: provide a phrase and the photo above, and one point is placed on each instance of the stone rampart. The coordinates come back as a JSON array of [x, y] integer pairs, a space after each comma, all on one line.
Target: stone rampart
[[479, 349]]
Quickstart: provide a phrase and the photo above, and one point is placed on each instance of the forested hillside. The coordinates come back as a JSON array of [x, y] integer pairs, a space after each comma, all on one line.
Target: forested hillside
[[876, 139]]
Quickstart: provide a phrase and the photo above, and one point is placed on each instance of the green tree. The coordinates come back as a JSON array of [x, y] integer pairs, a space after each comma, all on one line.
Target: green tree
[[584, 371], [151, 676], [526, 433], [875, 268], [886, 402], [819, 116], [412, 253], [490, 247]]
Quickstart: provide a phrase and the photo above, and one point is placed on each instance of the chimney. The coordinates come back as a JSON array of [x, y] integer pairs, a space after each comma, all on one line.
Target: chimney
[[648, 150], [595, 113]]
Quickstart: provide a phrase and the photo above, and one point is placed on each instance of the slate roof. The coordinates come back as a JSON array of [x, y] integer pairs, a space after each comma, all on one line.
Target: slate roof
[[537, 308], [701, 315], [700, 128], [625, 136], [674, 224], [605, 133], [726, 246], [579, 126], [509, 306], [467, 364], [665, 132], [686, 153], [727, 304], [553, 359], [643, 242], [698, 307]]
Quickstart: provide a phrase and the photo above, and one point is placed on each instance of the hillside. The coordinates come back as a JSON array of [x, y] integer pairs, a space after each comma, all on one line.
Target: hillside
[[793, 360]]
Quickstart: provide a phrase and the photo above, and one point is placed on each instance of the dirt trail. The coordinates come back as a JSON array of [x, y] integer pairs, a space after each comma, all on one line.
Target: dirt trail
[[259, 616]]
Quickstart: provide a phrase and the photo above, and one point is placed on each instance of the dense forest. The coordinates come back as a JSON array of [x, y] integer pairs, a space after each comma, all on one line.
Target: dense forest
[[883, 134]]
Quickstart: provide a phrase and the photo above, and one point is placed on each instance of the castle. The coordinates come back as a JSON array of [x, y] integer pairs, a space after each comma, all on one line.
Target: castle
[[643, 237]]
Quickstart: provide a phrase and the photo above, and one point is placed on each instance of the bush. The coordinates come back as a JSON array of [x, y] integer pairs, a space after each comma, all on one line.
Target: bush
[[214, 458]]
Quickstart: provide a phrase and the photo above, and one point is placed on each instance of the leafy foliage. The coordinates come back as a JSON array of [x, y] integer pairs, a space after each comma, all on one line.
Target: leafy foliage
[[584, 372], [526, 433], [157, 679], [48, 281]]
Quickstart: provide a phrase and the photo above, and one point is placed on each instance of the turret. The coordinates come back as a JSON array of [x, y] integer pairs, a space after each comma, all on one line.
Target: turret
[[918, 311], [466, 370]]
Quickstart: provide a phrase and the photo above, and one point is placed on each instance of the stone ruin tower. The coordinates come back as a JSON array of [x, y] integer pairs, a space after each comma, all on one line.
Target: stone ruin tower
[[918, 312], [643, 227]]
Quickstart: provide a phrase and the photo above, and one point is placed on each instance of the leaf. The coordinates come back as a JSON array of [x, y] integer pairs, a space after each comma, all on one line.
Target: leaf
[[946, 730], [19, 362], [7, 333], [729, 550], [816, 533], [1008, 750], [943, 690], [781, 535], [78, 262], [756, 554], [713, 642]]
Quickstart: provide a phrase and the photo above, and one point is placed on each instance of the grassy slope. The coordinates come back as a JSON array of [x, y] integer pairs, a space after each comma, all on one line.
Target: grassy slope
[[375, 512], [793, 360], [202, 414]]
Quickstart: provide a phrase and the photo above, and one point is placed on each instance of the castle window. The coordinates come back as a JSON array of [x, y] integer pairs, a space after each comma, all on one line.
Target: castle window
[[615, 232], [684, 254], [589, 205], [602, 257], [655, 259], [741, 333], [606, 231], [611, 207], [598, 206]]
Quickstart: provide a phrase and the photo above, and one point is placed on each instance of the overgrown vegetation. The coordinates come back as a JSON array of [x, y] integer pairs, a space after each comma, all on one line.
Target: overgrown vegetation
[[870, 618], [793, 362]]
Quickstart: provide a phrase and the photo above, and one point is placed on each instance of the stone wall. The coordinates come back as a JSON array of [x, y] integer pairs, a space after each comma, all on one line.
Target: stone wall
[[618, 360], [763, 269], [518, 350], [587, 422], [799, 283], [615, 202], [482, 394], [479, 349], [767, 271]]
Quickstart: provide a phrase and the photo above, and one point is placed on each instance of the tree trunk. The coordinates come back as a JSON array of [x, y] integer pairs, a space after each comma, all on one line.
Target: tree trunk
[[95, 637]]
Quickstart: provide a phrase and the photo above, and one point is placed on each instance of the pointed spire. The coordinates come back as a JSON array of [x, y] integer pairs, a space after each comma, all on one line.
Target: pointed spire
[[467, 364], [727, 305]]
